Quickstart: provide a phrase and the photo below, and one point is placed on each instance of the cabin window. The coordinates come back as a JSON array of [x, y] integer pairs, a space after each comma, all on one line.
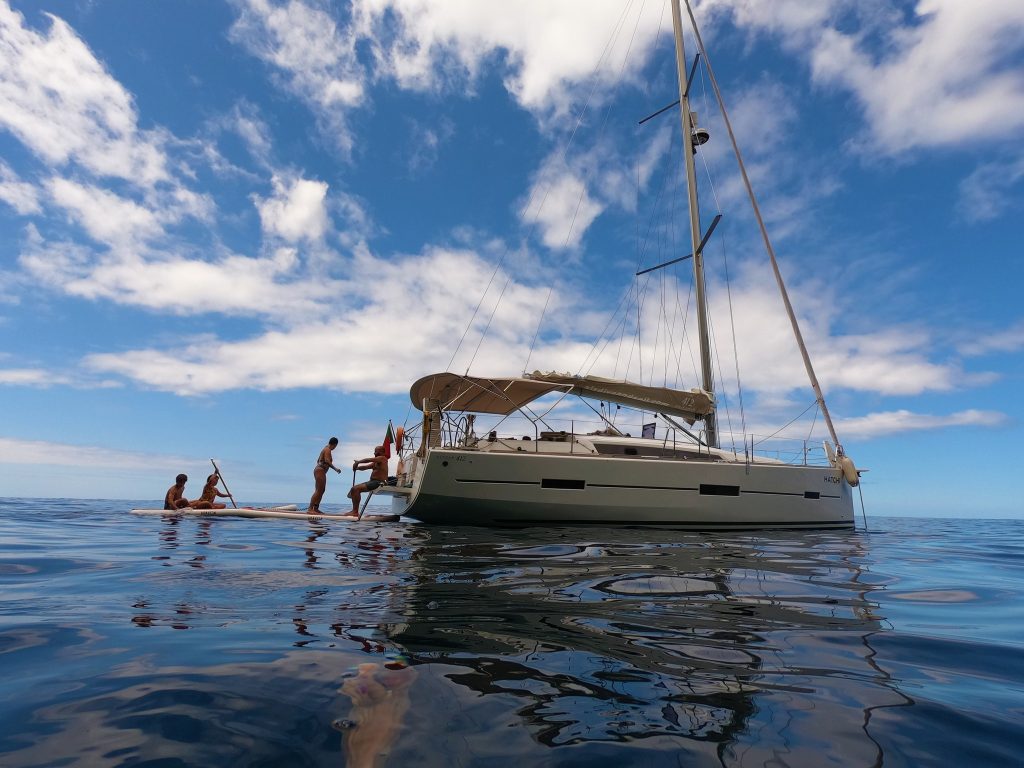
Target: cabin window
[[630, 451], [707, 489], [812, 495], [555, 482]]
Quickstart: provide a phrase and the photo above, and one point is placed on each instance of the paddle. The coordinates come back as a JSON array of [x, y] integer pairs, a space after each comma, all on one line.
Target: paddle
[[365, 503], [221, 478]]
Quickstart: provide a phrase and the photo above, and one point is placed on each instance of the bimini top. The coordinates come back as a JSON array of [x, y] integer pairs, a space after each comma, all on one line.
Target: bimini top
[[505, 395]]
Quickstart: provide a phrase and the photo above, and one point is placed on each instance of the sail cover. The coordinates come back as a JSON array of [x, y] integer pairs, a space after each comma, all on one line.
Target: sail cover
[[689, 404], [478, 395], [505, 395]]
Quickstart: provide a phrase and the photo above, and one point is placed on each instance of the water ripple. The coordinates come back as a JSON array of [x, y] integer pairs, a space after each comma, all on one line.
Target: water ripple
[[126, 641]]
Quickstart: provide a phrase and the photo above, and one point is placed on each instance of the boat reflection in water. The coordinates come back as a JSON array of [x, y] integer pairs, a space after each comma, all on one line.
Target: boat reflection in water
[[734, 648]]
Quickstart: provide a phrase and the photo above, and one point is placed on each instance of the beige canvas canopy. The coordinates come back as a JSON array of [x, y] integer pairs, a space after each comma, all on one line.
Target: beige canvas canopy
[[505, 395]]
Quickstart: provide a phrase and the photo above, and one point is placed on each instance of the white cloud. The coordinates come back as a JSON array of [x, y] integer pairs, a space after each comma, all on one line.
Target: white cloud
[[437, 45], [231, 285], [423, 43], [21, 196], [297, 210], [107, 217], [946, 78], [984, 343], [943, 73], [354, 345], [318, 62], [245, 120], [58, 100], [357, 319], [901, 421], [35, 377], [987, 193], [890, 361], [789, 17], [425, 142], [40, 452], [561, 206]]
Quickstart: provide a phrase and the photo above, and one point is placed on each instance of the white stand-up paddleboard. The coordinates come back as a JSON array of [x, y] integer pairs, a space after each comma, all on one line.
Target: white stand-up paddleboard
[[288, 512]]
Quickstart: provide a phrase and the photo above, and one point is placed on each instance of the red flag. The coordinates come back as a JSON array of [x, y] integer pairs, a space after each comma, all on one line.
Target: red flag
[[389, 438]]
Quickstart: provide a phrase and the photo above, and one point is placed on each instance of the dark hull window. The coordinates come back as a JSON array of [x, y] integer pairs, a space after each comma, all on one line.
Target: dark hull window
[[707, 489], [553, 482]]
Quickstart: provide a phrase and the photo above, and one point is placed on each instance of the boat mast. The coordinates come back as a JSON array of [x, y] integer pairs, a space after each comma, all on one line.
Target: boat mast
[[708, 382], [819, 395]]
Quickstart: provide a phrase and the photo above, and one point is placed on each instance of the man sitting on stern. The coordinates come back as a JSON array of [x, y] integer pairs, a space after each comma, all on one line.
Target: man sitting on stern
[[378, 466]]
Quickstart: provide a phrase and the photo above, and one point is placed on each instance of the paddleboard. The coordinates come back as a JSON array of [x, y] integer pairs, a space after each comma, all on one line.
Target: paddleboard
[[287, 512]]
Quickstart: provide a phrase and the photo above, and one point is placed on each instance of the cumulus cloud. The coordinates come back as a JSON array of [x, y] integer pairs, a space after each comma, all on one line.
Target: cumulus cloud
[[319, 322], [549, 58], [896, 362], [948, 77], [421, 43], [62, 104], [944, 73], [296, 211], [20, 195], [560, 206], [350, 318], [315, 59], [107, 217], [230, 284]]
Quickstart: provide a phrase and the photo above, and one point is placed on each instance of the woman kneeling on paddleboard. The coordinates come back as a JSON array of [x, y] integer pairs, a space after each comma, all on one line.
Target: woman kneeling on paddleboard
[[210, 492]]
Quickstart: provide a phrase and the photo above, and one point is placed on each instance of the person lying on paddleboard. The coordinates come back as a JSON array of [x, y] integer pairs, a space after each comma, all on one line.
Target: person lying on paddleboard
[[378, 466], [174, 498], [324, 462], [210, 492]]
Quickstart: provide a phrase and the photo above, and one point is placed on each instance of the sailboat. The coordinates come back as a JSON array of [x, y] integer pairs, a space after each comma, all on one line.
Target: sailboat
[[561, 477]]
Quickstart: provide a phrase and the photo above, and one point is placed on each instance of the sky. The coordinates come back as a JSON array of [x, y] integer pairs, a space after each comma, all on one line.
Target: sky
[[234, 229]]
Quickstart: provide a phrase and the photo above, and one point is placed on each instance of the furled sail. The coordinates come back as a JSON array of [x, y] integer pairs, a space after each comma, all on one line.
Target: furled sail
[[476, 394], [690, 404]]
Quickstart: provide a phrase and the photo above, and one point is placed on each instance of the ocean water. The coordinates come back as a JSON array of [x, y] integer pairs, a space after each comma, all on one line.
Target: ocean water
[[128, 640]]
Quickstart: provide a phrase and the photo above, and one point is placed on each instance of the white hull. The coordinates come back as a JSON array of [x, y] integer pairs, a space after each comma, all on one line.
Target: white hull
[[480, 488]]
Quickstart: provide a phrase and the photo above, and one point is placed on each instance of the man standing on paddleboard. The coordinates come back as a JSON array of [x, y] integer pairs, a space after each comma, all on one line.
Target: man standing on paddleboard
[[324, 462]]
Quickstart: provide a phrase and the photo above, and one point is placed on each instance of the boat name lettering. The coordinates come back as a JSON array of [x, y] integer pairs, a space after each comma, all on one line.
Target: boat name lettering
[[832, 479]]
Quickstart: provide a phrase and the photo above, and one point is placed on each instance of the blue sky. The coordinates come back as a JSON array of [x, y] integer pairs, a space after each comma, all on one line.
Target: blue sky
[[233, 229]]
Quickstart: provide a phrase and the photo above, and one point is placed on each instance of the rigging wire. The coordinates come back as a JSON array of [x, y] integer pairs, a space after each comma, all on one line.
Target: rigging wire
[[583, 190], [642, 246], [735, 348], [819, 395], [814, 420], [780, 429], [526, 209], [728, 282]]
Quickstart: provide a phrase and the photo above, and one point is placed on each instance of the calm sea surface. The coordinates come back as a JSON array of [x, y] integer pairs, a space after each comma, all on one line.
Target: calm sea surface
[[129, 640]]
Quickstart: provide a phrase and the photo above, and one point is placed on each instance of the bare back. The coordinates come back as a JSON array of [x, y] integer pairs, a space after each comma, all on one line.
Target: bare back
[[172, 496], [325, 459]]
